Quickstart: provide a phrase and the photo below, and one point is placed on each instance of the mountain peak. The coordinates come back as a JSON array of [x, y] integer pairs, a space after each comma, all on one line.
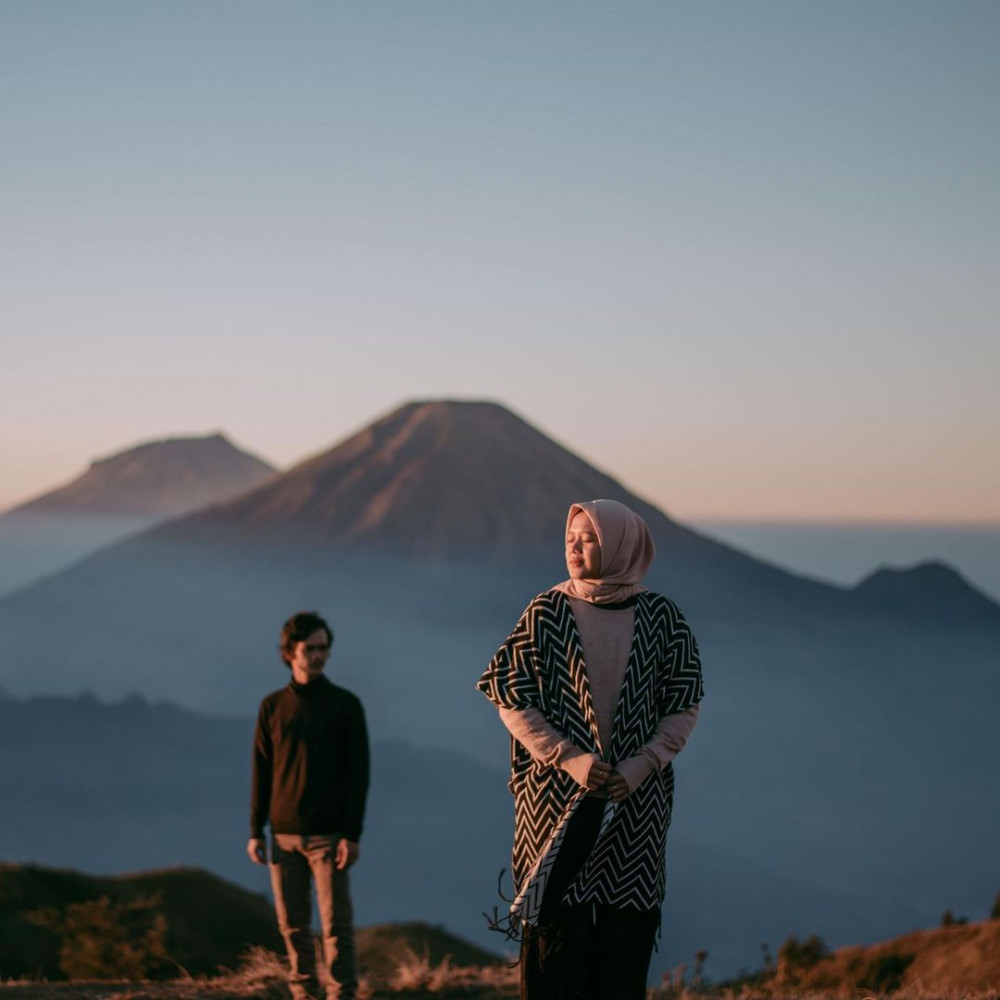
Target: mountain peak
[[438, 477], [156, 479], [158, 448], [447, 404], [931, 587]]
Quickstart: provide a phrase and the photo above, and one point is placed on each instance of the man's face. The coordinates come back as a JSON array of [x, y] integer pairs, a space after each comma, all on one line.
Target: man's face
[[309, 657]]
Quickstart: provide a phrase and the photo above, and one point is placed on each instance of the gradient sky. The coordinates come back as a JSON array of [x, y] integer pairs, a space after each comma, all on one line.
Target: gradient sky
[[743, 255]]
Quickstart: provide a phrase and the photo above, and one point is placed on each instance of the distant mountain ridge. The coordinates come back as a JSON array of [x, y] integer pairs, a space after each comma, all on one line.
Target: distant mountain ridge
[[119, 496], [449, 482], [156, 479], [442, 508], [929, 588], [471, 481]]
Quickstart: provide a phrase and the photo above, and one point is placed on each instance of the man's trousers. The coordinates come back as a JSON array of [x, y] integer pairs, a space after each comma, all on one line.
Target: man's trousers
[[294, 860]]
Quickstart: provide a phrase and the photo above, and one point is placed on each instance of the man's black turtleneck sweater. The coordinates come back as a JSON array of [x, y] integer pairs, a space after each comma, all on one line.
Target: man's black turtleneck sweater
[[310, 762]]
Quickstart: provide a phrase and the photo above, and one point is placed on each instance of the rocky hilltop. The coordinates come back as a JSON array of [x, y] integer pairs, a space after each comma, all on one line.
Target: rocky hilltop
[[119, 496], [157, 479]]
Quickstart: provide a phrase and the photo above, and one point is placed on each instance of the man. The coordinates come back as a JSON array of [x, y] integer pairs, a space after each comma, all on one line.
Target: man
[[310, 781]]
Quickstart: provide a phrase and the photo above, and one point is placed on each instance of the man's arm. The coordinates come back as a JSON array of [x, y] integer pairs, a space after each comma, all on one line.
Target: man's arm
[[356, 786], [260, 791]]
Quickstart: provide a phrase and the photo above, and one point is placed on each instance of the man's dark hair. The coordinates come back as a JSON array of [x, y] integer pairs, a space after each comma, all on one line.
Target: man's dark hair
[[298, 628]]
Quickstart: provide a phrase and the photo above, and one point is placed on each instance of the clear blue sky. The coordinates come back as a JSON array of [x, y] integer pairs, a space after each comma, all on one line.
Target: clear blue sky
[[744, 255]]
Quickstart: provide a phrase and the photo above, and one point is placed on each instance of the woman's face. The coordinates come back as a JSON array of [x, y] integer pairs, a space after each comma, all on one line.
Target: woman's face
[[583, 550]]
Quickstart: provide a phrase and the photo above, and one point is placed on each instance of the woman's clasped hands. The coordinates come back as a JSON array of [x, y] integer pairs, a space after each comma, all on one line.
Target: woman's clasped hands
[[604, 780]]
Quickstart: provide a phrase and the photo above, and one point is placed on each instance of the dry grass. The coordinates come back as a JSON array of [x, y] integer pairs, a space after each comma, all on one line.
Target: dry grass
[[261, 976], [958, 962], [954, 962], [416, 974]]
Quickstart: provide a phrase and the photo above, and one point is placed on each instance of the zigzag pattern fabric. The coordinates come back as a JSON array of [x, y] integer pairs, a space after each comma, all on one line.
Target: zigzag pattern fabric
[[541, 666]]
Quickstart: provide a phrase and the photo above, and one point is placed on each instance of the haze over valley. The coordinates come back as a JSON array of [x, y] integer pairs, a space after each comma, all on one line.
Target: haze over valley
[[804, 801]]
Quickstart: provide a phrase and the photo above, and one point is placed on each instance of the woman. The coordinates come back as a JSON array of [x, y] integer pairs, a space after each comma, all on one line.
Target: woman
[[599, 685]]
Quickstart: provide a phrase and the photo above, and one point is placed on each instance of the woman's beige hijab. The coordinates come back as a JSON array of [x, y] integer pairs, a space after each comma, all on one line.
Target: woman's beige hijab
[[627, 552]]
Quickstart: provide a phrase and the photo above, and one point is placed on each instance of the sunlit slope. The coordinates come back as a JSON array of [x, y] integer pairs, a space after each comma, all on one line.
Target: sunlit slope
[[156, 479], [944, 961]]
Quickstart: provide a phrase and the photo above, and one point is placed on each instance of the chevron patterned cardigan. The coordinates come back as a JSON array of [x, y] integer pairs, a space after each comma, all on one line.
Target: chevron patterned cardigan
[[541, 666]]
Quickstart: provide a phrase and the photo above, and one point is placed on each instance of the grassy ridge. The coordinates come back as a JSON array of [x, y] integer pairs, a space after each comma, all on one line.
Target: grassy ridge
[[963, 958], [212, 924], [209, 924]]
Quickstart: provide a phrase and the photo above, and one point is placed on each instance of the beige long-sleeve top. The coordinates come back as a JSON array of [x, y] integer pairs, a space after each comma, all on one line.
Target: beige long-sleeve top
[[606, 636]]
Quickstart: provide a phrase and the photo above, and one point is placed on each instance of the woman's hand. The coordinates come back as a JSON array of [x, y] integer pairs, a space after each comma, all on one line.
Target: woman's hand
[[597, 778], [617, 787]]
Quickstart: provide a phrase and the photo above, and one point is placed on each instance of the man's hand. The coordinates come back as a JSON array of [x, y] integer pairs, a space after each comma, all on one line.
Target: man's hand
[[617, 787], [256, 850], [347, 853], [598, 776]]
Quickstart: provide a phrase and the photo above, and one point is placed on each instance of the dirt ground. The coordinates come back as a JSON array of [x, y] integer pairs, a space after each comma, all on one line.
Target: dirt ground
[[210, 991]]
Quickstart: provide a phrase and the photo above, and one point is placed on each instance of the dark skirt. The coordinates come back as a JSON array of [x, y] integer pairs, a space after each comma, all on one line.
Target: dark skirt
[[589, 951]]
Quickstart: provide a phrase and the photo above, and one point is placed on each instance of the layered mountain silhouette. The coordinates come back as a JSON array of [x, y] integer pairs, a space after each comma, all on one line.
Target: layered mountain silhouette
[[451, 516], [448, 482], [119, 496], [423, 536], [472, 482], [156, 480]]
